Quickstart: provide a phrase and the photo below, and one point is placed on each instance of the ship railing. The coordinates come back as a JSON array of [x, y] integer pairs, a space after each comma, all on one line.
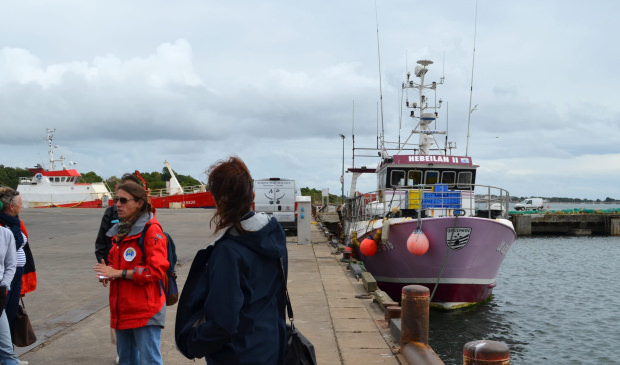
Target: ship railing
[[186, 190], [429, 201]]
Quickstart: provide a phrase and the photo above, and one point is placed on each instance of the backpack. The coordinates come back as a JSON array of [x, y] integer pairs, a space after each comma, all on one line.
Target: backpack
[[169, 282], [190, 313]]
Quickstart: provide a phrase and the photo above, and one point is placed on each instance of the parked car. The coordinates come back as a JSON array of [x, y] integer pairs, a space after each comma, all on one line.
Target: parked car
[[276, 197], [530, 204]]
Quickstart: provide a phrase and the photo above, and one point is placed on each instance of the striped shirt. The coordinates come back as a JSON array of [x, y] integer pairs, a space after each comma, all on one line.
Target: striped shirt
[[21, 256]]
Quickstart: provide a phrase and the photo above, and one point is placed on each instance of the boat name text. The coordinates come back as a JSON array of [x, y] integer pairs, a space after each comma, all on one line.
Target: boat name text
[[439, 159]]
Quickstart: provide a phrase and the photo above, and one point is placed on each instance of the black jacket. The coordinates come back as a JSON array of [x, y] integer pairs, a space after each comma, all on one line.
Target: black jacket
[[103, 243], [241, 294]]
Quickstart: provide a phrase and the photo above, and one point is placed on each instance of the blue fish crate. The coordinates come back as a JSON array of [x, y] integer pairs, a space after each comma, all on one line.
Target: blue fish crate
[[440, 188], [428, 203], [429, 195], [452, 202]]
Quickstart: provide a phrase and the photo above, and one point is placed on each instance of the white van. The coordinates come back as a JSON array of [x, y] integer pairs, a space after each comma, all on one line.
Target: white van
[[530, 204], [276, 197]]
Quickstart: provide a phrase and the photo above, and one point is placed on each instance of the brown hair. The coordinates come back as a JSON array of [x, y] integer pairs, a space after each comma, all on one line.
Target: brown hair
[[138, 193], [7, 195], [129, 178], [231, 184]]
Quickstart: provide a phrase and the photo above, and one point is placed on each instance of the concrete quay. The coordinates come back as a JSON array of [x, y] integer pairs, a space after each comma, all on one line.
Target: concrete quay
[[551, 223], [69, 310]]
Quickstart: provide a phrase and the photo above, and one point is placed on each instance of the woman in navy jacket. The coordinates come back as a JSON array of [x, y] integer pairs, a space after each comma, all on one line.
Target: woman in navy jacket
[[244, 318]]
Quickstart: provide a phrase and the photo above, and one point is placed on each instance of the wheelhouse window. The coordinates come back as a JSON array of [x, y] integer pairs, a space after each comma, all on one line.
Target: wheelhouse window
[[448, 177], [465, 180], [414, 177], [381, 183], [397, 178], [431, 177]]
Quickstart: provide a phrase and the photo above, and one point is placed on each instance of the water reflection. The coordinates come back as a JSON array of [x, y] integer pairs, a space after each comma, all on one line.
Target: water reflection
[[450, 331]]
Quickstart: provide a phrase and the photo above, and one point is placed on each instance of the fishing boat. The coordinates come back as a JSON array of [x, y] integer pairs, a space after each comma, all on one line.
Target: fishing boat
[[429, 223], [176, 196], [52, 187]]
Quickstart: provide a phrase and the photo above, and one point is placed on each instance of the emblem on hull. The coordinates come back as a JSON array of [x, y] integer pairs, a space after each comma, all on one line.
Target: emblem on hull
[[457, 238]]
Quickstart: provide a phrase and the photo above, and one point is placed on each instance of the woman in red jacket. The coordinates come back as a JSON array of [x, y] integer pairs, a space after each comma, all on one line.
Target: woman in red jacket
[[137, 300]]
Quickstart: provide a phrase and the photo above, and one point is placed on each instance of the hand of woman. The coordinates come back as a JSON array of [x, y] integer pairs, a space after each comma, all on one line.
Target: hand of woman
[[104, 272]]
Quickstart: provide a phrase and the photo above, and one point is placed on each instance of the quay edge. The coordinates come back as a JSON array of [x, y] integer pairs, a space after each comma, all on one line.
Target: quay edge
[[606, 224]]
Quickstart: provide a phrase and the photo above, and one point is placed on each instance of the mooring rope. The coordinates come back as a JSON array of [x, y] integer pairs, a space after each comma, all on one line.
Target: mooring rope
[[445, 258]]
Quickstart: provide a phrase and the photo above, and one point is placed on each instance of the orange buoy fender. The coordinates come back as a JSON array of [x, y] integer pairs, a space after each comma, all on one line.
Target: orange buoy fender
[[417, 243], [368, 247]]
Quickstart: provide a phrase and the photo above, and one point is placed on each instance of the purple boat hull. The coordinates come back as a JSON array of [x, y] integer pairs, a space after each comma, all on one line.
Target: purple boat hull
[[463, 258]]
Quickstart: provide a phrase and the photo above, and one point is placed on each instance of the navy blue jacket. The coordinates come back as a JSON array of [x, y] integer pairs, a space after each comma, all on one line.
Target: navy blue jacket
[[244, 318]]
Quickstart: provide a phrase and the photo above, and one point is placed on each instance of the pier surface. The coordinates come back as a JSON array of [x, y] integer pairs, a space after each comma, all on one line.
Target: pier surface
[[69, 310]]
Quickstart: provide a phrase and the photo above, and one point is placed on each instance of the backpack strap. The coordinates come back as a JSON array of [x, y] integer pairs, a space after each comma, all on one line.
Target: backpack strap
[[141, 240], [289, 307]]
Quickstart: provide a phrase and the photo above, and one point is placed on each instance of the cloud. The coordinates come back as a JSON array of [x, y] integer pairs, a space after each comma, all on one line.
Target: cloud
[[127, 85]]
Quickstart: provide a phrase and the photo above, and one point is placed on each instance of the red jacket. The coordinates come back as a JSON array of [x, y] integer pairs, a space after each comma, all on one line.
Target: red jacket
[[141, 301]]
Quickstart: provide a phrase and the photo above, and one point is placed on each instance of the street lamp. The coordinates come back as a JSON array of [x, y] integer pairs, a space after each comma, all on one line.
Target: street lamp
[[342, 176]]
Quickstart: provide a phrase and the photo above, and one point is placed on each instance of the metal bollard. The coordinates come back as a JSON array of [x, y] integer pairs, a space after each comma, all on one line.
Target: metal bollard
[[392, 311], [414, 314], [486, 352], [414, 326]]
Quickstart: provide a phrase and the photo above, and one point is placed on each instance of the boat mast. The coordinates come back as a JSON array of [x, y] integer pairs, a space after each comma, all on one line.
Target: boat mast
[[383, 152], [50, 151], [471, 87], [427, 136], [425, 141]]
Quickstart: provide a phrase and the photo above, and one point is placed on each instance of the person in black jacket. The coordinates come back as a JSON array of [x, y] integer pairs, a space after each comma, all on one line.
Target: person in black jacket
[[103, 243], [243, 316]]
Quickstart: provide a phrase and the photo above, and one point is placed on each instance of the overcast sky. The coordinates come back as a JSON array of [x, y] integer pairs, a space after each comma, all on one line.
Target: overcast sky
[[129, 84]]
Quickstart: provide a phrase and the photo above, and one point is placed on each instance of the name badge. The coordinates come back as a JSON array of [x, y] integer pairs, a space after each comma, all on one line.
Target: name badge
[[129, 254]]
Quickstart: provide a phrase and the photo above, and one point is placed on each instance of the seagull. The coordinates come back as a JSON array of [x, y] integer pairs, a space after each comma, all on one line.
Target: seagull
[[475, 108]]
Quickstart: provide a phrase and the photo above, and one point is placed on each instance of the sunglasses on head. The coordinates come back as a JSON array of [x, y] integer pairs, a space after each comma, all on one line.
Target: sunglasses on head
[[123, 200]]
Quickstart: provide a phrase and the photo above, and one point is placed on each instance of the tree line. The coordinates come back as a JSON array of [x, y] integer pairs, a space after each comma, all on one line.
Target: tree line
[[317, 196], [9, 176]]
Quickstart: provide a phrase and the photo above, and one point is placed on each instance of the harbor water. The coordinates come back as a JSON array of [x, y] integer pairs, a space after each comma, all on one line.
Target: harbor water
[[557, 301]]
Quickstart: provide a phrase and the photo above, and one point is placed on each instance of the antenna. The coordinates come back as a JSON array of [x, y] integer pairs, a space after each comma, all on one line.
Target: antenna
[[377, 125], [400, 116], [353, 136], [443, 68], [471, 87], [447, 118], [380, 85]]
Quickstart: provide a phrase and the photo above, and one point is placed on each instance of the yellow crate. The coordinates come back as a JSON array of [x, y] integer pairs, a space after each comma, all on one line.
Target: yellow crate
[[413, 199]]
